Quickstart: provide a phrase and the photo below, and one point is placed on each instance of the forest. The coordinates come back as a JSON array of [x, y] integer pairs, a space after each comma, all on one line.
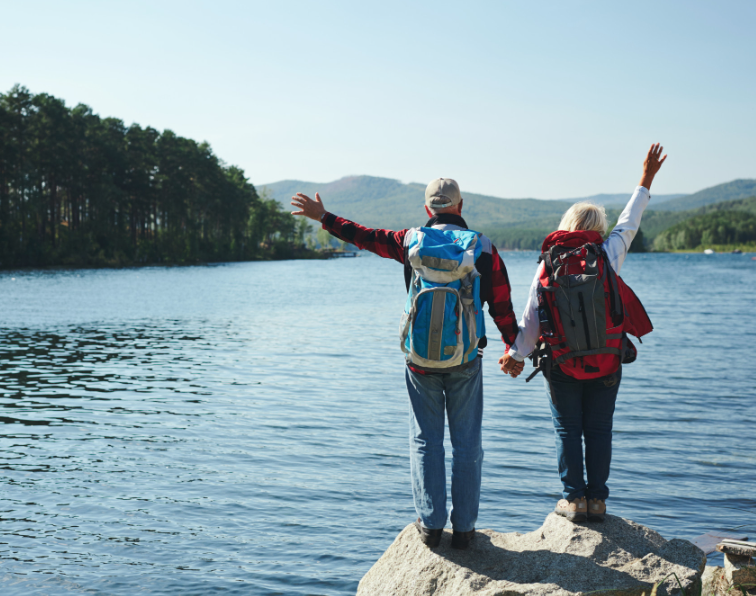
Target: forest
[[77, 189], [710, 230]]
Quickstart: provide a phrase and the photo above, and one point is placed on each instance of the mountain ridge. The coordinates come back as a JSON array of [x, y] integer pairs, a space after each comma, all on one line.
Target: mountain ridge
[[390, 204], [740, 188], [513, 223], [600, 198]]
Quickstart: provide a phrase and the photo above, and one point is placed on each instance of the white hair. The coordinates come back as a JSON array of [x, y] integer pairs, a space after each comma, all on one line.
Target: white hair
[[585, 217]]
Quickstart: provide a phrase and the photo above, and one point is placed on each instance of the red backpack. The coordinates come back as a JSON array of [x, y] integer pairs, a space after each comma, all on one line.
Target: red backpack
[[585, 309]]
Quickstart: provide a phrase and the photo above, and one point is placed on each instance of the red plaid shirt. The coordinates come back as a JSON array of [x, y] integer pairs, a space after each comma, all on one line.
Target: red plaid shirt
[[494, 281]]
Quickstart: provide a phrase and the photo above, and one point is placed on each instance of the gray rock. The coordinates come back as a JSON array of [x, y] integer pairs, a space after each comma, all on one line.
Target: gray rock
[[739, 570], [617, 557]]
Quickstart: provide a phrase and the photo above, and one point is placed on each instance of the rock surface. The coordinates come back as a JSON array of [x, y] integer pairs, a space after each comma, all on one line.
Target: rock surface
[[739, 570], [711, 580], [618, 557]]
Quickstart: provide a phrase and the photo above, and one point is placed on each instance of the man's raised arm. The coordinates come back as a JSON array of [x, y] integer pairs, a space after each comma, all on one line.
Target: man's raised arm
[[384, 243]]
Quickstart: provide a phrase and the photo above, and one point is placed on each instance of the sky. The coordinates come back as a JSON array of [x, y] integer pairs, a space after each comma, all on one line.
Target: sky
[[512, 99]]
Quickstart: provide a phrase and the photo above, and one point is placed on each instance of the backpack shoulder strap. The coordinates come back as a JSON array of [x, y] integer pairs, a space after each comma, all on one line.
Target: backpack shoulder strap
[[409, 236], [549, 257], [616, 297], [485, 243], [592, 254], [545, 258]]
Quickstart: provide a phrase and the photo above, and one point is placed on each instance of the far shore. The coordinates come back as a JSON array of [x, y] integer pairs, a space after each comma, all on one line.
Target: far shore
[[307, 255], [718, 250]]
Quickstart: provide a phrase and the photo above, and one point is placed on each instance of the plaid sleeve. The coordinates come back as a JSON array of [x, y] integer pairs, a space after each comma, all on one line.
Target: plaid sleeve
[[384, 243], [498, 295]]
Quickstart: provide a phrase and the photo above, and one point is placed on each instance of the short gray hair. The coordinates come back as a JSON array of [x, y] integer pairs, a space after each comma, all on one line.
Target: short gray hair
[[585, 217]]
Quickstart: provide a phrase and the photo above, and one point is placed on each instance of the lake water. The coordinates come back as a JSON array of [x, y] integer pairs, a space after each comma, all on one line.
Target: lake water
[[242, 428]]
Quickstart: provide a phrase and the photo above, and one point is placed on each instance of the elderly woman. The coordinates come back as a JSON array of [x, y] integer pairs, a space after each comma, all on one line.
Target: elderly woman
[[576, 321]]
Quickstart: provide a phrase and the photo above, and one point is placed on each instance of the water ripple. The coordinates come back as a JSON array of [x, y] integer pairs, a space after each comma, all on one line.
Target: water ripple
[[195, 431]]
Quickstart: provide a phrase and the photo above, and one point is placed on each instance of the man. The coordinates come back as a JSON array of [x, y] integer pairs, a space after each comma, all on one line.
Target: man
[[456, 390]]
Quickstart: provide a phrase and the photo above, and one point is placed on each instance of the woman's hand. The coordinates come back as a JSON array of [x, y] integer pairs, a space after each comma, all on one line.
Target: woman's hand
[[510, 366], [652, 165], [308, 207]]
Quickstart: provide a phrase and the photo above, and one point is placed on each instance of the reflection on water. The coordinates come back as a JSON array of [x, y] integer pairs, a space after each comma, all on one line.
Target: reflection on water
[[242, 428]]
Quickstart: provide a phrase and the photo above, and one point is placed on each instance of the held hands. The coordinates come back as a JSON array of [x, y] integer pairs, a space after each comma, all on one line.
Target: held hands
[[308, 207], [652, 165], [510, 366]]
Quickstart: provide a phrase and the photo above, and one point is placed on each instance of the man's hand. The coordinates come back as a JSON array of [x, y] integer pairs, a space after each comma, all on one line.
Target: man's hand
[[308, 207], [510, 366], [652, 165]]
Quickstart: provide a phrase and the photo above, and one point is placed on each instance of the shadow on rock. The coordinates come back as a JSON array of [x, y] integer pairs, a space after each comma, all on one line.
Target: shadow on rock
[[616, 557], [568, 571]]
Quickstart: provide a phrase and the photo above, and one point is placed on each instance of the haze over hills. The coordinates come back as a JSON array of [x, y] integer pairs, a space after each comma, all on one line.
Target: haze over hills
[[511, 223]]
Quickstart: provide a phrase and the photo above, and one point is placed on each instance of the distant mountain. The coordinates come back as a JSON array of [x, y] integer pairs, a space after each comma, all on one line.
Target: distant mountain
[[729, 191], [387, 203], [510, 223], [391, 204]]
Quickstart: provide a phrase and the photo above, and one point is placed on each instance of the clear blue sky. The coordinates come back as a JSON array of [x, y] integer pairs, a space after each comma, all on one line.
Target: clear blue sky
[[543, 99]]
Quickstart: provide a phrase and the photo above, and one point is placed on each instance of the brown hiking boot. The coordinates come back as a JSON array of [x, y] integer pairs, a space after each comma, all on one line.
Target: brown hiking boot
[[575, 510], [596, 510]]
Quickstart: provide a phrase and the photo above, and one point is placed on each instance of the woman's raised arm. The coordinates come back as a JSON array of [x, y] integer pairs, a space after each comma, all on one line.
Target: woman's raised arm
[[652, 165], [619, 241]]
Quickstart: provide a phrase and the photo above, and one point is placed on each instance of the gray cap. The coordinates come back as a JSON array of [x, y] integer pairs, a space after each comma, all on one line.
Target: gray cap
[[442, 193]]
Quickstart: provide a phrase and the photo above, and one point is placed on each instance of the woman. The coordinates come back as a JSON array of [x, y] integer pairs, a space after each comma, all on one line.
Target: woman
[[579, 313]]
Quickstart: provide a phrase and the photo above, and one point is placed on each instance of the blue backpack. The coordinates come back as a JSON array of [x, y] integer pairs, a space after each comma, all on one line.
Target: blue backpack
[[443, 317]]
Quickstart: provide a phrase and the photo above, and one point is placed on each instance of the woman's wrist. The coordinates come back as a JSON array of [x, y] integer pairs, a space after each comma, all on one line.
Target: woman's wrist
[[646, 181]]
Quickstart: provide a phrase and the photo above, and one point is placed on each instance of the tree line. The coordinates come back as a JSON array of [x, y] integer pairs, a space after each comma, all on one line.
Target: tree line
[[79, 189], [718, 228]]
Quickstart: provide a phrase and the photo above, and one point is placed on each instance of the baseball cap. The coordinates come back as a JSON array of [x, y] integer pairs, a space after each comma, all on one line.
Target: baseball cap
[[441, 193]]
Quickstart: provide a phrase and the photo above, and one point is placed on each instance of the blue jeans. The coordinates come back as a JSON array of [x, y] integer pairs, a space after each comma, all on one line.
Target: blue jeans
[[583, 409], [460, 396]]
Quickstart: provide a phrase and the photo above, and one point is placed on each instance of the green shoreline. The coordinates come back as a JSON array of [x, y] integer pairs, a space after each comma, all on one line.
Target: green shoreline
[[295, 255], [717, 248]]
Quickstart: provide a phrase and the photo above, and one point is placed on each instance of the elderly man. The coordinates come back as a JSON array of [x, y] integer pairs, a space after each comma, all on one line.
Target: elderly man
[[450, 381]]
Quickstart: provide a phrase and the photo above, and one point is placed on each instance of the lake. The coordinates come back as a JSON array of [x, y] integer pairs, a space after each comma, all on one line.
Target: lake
[[242, 428]]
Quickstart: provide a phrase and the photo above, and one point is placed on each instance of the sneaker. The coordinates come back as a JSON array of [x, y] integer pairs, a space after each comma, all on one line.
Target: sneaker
[[461, 540], [431, 538], [596, 510], [574, 510]]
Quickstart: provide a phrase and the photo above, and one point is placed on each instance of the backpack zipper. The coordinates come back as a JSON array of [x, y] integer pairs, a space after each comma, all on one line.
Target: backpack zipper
[[585, 319]]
